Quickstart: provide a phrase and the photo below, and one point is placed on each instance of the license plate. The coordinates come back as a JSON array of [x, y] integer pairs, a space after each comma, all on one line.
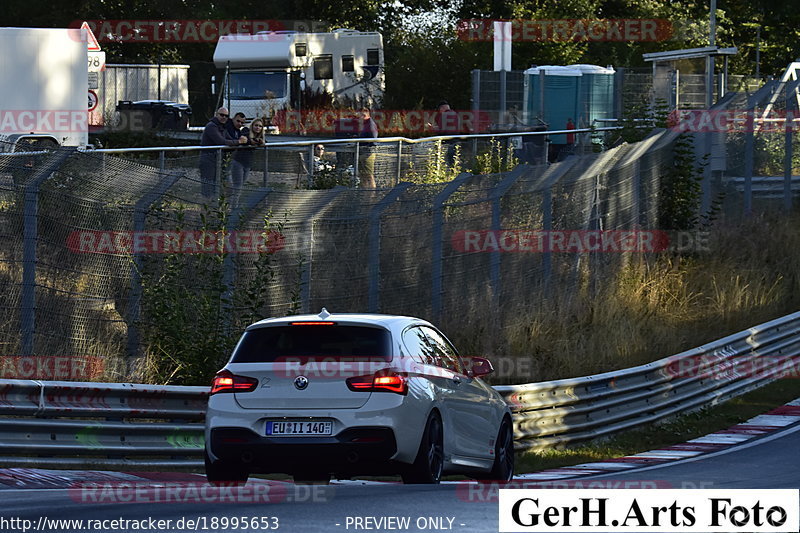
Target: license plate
[[299, 428]]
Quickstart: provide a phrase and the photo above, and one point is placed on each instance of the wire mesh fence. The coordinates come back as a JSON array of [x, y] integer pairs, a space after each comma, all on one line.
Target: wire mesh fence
[[102, 254]]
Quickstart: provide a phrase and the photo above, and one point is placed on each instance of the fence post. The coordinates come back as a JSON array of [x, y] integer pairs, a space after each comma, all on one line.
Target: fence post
[[134, 303], [437, 243], [228, 264], [356, 177], [788, 151], [705, 186], [399, 160], [218, 177], [266, 164], [547, 226], [636, 193], [310, 165], [161, 160], [503, 100], [30, 237], [375, 245], [552, 176], [476, 90], [308, 229], [497, 195], [749, 148]]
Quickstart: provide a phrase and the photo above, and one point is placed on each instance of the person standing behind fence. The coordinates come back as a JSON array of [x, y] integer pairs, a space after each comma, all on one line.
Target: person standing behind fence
[[243, 158], [235, 125], [368, 129], [214, 134], [447, 123]]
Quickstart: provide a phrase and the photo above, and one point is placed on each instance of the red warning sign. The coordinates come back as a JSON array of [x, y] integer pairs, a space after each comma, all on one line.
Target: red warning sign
[[91, 40]]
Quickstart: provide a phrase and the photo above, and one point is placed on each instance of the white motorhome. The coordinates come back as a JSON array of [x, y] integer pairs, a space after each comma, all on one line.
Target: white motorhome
[[43, 86], [267, 72]]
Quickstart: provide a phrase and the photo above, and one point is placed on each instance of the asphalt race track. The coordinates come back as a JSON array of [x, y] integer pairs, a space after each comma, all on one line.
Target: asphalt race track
[[103, 501]]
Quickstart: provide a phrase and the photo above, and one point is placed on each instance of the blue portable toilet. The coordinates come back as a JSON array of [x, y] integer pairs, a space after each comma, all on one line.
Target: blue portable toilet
[[578, 92], [597, 98]]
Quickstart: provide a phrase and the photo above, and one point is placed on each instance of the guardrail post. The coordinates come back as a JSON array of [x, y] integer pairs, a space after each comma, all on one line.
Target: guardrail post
[[134, 303], [30, 238], [437, 243], [375, 245]]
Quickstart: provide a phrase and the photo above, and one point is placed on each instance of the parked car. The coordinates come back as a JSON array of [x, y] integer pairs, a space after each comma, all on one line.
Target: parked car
[[346, 394]]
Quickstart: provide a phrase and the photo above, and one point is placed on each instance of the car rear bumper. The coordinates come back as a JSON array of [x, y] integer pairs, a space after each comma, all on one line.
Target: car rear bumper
[[355, 450]]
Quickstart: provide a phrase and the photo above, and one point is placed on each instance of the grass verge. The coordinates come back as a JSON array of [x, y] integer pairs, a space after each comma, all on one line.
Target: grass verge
[[656, 306], [667, 433]]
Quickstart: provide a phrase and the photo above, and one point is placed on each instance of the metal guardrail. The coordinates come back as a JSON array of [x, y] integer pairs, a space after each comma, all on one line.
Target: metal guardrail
[[85, 425], [566, 411], [80, 425], [764, 187]]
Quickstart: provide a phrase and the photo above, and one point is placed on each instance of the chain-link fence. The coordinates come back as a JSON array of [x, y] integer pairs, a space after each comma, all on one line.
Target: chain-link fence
[[500, 94], [752, 139], [100, 250]]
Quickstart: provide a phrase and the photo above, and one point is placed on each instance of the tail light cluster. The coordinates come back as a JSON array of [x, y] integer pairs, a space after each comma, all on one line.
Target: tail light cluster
[[382, 381], [227, 381]]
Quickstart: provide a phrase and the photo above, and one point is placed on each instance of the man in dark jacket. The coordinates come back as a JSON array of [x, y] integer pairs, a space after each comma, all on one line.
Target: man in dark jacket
[[214, 134], [368, 129]]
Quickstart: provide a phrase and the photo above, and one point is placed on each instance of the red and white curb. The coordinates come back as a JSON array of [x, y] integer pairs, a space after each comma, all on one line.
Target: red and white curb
[[758, 426]]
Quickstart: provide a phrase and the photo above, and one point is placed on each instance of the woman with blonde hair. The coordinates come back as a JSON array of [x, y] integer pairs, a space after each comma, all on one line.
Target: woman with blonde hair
[[243, 158]]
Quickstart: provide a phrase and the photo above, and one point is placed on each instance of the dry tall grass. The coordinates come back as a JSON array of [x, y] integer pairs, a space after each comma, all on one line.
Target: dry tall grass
[[655, 307]]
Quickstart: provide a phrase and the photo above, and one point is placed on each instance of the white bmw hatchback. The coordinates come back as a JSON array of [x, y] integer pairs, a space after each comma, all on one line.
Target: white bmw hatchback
[[346, 394]]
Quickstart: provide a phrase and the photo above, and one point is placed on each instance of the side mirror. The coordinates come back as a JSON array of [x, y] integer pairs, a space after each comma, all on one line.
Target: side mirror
[[480, 366]]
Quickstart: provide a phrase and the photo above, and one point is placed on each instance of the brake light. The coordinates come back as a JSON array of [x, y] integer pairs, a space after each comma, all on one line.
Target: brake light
[[313, 323], [227, 381], [380, 382]]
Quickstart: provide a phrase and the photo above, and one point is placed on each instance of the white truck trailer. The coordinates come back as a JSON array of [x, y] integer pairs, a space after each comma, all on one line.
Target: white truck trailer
[[43, 86], [268, 71]]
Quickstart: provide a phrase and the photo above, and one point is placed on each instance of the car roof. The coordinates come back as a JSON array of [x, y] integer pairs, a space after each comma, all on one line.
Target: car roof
[[387, 321]]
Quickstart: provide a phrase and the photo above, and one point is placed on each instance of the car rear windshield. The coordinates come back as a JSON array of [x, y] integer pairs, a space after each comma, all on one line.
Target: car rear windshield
[[313, 342]]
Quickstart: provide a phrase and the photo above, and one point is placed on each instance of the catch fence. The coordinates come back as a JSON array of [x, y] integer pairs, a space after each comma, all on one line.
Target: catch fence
[[99, 249]]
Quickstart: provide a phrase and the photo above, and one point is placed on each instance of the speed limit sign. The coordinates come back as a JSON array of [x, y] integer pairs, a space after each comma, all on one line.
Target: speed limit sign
[[92, 100]]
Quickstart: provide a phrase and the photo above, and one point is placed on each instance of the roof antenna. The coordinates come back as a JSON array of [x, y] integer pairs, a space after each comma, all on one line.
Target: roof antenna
[[324, 314]]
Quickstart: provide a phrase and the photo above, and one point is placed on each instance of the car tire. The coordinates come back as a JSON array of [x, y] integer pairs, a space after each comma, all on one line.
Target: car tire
[[429, 463], [225, 471], [311, 478], [503, 466]]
